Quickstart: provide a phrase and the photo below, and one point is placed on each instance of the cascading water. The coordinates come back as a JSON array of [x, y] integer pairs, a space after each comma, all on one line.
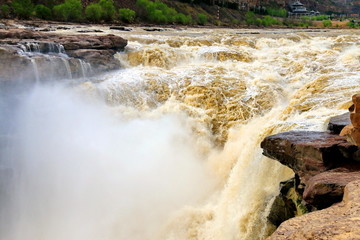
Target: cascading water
[[168, 147]]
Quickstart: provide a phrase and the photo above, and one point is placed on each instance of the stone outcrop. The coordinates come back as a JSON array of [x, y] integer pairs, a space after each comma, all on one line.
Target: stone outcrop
[[310, 153], [27, 54], [340, 221], [327, 166]]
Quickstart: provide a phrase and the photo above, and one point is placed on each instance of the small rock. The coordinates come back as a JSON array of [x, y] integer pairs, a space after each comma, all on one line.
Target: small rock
[[337, 123], [89, 31], [154, 29], [120, 28]]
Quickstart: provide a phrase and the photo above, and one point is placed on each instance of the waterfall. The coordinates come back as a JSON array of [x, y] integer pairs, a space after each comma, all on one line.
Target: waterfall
[[67, 67], [36, 70], [85, 68], [168, 147]]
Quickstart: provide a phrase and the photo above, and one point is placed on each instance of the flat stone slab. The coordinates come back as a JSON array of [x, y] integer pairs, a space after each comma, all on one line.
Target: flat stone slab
[[337, 123], [309, 153]]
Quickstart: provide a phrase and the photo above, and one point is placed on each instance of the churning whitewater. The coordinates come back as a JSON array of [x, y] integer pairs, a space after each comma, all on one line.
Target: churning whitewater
[[168, 146]]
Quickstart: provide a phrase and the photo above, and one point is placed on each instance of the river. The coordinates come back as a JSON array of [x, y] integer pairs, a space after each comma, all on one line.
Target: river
[[168, 146]]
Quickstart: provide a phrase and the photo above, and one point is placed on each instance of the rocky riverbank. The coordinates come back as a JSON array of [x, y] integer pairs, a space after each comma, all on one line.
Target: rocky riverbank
[[327, 176], [28, 54]]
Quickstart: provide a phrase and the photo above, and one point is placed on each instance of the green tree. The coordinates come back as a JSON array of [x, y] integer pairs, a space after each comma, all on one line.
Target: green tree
[[69, 10], [202, 19], [108, 9], [41, 11], [93, 12], [127, 15], [23, 8], [4, 11]]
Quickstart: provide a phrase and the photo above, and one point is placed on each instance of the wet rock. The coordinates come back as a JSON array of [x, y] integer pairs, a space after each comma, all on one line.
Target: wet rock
[[90, 31], [154, 29], [25, 53], [11, 63], [327, 188], [309, 153], [337, 123], [283, 208], [70, 42], [100, 60], [121, 28], [340, 221]]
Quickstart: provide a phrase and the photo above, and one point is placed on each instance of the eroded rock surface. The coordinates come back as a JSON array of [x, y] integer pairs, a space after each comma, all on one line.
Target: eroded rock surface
[[46, 49], [338, 222], [310, 153]]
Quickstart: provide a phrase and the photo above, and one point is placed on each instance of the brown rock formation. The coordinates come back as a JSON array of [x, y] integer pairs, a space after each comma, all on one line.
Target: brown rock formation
[[309, 153], [340, 221], [326, 188], [97, 50], [352, 131]]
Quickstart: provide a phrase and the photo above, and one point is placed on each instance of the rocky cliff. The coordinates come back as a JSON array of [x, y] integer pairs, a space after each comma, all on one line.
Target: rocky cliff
[[327, 169], [27, 54]]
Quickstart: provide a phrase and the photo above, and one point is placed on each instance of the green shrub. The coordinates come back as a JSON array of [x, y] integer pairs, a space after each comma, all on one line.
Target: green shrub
[[69, 10], [41, 11], [108, 10], [127, 15], [327, 23], [235, 21], [93, 12], [351, 24], [258, 22], [23, 8], [159, 12], [269, 21], [4, 11], [277, 12], [202, 19], [250, 18], [182, 19]]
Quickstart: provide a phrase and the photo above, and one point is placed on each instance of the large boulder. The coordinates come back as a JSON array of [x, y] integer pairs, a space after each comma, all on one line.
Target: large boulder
[[340, 221], [310, 153], [327, 188]]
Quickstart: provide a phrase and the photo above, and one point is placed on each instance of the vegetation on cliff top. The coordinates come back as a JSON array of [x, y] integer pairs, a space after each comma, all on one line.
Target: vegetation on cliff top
[[161, 12]]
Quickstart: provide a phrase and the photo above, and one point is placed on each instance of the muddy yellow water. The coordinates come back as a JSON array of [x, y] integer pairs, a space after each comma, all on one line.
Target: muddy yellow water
[[227, 89]]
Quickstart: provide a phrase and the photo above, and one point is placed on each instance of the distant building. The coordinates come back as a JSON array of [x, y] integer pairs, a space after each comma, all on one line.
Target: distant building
[[297, 9]]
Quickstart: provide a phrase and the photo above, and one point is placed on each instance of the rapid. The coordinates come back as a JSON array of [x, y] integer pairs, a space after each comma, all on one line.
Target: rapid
[[168, 147]]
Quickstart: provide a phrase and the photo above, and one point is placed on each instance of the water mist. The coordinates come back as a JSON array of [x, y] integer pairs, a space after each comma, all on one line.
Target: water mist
[[79, 173]]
